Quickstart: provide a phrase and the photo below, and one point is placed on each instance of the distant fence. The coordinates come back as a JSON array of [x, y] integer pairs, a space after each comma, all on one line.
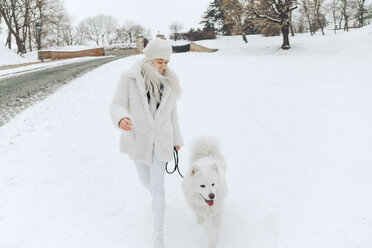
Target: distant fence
[[53, 55]]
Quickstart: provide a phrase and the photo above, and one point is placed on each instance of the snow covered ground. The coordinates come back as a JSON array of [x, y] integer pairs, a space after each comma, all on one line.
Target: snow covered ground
[[8, 57], [296, 128]]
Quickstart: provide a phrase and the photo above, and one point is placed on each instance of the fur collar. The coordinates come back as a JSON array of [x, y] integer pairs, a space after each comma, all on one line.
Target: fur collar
[[135, 71]]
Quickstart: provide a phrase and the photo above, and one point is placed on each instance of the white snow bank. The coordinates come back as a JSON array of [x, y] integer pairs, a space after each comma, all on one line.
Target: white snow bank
[[8, 57], [31, 56]]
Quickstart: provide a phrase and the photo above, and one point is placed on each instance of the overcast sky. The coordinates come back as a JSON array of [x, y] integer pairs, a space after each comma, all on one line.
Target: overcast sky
[[155, 15]]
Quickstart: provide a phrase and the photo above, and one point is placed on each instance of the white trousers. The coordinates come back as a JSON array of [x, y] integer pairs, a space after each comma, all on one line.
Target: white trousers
[[152, 178]]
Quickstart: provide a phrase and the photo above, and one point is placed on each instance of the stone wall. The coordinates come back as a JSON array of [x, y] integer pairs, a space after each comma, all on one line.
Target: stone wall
[[122, 52], [53, 55], [198, 48]]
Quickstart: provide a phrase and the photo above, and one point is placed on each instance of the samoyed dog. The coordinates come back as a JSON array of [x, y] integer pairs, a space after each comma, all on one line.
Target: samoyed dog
[[204, 185]]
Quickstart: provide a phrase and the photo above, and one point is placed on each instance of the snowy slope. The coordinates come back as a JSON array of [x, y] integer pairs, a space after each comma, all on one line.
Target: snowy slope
[[296, 130], [8, 57]]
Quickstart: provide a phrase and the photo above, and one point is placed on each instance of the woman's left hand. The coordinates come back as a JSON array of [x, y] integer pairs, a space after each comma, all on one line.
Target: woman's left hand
[[177, 148]]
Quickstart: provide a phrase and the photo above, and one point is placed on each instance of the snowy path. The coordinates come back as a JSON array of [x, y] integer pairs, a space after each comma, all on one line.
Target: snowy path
[[21, 91], [21, 69], [298, 147]]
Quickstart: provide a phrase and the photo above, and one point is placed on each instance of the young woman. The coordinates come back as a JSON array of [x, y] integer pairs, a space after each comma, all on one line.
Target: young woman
[[144, 109]]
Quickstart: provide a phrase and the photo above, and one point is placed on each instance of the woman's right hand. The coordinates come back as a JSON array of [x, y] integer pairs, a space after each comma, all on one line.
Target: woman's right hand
[[125, 124]]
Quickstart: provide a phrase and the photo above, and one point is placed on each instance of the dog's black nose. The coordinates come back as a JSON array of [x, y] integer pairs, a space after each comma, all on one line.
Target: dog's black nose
[[211, 196]]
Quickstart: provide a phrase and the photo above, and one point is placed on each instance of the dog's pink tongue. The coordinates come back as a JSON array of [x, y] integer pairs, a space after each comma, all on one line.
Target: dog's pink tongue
[[210, 202]]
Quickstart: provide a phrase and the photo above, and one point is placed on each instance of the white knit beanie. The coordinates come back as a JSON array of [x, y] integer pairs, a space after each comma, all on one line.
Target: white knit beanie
[[157, 49]]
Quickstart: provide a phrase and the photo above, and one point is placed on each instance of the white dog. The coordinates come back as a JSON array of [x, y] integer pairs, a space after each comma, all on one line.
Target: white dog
[[204, 185]]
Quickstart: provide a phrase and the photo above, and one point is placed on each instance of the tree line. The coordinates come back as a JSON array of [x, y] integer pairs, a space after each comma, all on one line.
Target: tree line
[[272, 17], [21, 16], [222, 17], [343, 14], [57, 29]]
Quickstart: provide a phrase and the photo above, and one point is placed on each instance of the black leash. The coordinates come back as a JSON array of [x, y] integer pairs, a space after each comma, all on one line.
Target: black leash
[[176, 160]]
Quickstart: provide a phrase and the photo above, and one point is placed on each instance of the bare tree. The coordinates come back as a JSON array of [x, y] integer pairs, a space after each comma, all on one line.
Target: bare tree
[[111, 24], [128, 31], [98, 28], [299, 22], [290, 24], [119, 36], [132, 30], [276, 11], [306, 11], [28, 11], [369, 14], [12, 13], [318, 6], [56, 24], [9, 37], [361, 12], [175, 29], [79, 36], [21, 17], [347, 9], [314, 12], [139, 30], [68, 32], [334, 7], [343, 13]]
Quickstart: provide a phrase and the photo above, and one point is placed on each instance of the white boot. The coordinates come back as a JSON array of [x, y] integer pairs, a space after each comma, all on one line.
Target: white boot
[[158, 240]]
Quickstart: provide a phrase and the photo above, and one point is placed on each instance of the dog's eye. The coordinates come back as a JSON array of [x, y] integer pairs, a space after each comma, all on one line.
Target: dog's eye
[[212, 184], [203, 186]]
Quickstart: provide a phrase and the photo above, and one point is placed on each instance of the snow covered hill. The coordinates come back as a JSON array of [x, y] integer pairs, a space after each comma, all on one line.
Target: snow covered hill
[[8, 57], [296, 131]]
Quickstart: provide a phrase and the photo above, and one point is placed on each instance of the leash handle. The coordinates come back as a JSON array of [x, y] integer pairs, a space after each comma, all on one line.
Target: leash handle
[[176, 160]]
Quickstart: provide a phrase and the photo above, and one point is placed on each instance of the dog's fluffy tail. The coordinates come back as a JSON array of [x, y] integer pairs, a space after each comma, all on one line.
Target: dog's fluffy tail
[[204, 147]]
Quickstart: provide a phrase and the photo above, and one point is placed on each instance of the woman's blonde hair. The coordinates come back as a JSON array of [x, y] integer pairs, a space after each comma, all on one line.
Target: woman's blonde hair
[[154, 80]]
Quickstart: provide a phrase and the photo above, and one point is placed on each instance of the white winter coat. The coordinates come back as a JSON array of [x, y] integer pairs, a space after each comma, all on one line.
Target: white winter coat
[[159, 133]]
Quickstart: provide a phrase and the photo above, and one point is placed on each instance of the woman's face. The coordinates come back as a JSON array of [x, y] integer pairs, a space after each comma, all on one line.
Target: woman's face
[[160, 64]]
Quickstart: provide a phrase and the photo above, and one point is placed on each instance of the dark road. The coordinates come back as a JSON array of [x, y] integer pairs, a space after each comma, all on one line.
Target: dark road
[[22, 91]]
